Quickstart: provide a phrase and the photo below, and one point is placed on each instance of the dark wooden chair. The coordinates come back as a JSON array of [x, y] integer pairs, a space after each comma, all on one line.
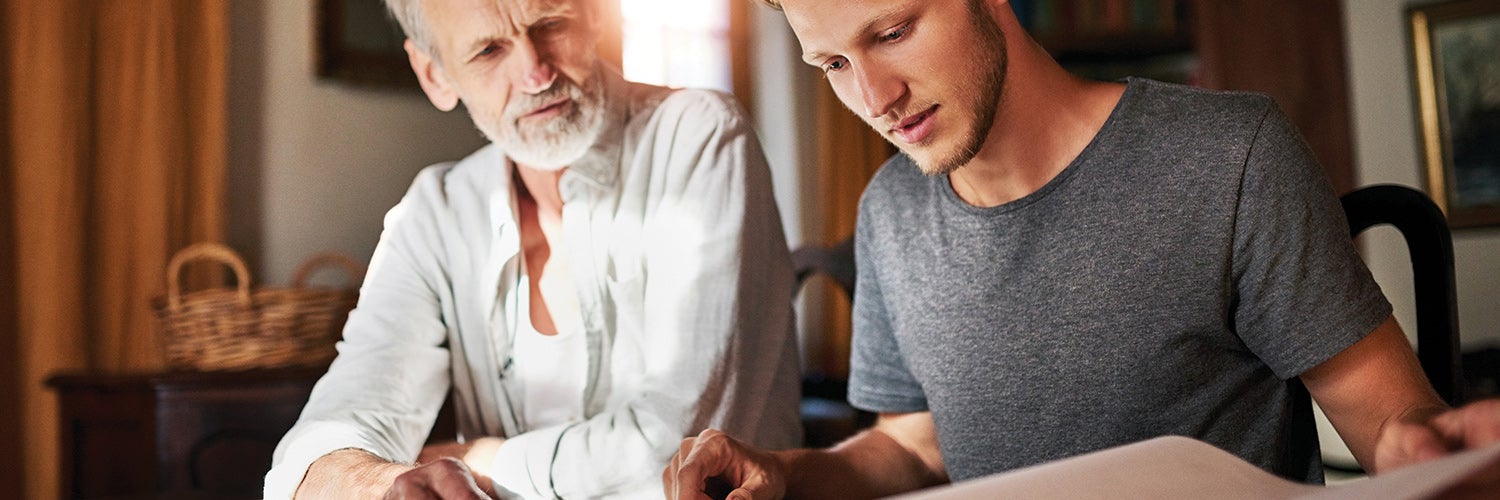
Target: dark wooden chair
[[1430, 244], [827, 417]]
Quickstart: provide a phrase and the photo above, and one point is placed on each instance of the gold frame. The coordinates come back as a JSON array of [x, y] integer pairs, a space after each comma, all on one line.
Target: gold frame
[[1433, 120]]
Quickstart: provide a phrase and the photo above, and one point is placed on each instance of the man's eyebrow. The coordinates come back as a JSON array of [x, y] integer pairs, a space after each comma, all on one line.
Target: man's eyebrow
[[869, 27], [551, 9], [555, 9]]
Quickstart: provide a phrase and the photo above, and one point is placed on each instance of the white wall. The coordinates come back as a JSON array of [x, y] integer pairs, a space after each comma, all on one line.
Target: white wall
[[783, 97], [314, 165], [1386, 151]]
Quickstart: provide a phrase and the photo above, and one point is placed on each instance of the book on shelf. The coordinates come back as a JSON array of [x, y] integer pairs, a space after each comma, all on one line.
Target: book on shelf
[[1084, 18]]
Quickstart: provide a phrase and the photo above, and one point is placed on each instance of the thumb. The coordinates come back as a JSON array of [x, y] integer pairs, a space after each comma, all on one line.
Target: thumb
[[755, 487], [741, 494]]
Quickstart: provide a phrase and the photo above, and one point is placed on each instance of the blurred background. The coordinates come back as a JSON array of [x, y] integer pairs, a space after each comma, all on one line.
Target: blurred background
[[132, 128]]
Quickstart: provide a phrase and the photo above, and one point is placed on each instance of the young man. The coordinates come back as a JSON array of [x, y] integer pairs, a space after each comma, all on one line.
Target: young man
[[1054, 266], [606, 278]]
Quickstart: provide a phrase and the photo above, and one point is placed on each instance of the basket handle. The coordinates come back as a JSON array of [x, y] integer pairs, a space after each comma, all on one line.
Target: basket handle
[[354, 270], [206, 251]]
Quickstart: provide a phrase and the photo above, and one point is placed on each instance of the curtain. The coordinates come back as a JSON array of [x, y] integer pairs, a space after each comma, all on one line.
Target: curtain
[[849, 153], [10, 392], [114, 157]]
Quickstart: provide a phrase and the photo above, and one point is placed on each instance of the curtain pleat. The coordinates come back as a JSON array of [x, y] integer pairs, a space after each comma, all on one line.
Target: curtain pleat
[[10, 387], [115, 136], [849, 154]]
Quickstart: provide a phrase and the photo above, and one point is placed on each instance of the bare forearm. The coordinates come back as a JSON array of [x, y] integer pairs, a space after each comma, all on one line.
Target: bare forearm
[[868, 465], [349, 473], [1372, 386]]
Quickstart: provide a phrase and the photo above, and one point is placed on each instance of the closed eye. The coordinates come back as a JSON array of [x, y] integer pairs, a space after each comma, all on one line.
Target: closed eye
[[550, 25], [895, 34]]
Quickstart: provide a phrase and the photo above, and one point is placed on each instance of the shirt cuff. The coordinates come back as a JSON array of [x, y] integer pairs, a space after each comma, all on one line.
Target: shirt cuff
[[298, 451], [523, 465]]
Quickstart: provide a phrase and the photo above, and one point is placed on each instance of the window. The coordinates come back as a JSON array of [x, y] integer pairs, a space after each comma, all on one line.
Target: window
[[677, 43]]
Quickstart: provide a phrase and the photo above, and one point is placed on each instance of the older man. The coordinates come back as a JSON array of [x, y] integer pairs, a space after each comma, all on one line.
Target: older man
[[606, 278], [1054, 266]]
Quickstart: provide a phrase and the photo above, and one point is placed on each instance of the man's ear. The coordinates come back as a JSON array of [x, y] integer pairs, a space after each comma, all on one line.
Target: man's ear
[[432, 78]]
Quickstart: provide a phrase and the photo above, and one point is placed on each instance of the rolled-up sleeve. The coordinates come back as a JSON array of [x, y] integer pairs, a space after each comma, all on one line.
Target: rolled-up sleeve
[[383, 391]]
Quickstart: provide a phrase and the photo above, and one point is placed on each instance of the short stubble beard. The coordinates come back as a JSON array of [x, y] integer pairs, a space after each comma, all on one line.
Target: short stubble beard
[[986, 89]]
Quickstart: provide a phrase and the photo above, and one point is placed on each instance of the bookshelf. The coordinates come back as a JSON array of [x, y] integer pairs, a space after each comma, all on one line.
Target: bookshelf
[[1092, 28], [1111, 39]]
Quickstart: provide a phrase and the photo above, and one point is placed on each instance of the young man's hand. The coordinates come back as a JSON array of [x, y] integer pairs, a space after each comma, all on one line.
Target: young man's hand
[[1418, 436], [707, 462], [899, 454]]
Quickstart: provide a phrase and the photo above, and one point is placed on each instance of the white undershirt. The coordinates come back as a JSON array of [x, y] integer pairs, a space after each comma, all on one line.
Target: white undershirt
[[551, 369]]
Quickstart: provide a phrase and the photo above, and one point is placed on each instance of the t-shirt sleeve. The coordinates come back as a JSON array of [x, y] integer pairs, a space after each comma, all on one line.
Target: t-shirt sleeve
[[879, 380], [1302, 293]]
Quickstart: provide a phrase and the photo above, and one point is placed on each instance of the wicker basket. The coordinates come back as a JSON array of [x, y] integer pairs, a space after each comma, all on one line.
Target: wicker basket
[[240, 328]]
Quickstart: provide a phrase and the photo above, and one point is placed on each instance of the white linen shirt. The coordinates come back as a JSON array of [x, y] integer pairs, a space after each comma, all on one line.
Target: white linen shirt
[[684, 284]]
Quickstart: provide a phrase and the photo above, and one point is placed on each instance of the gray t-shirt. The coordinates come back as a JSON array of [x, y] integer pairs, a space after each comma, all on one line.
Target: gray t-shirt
[[1174, 279]]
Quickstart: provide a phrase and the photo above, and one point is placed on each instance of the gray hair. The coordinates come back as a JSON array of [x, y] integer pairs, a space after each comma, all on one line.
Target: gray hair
[[408, 14]]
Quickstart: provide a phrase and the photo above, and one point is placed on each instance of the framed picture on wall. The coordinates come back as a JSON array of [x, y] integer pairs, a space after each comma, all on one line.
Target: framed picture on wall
[[1456, 53], [360, 45]]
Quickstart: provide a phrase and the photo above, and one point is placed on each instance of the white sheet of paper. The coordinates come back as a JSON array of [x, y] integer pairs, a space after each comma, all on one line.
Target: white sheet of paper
[[1180, 467]]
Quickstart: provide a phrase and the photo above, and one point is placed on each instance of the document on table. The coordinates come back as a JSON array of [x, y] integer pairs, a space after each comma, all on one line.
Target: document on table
[[1180, 467]]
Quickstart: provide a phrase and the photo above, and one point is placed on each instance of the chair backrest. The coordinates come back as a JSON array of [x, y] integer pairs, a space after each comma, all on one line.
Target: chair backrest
[[827, 417], [836, 262], [1430, 244]]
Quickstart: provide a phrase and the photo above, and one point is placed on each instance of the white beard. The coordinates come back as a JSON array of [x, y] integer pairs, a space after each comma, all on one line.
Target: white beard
[[558, 142]]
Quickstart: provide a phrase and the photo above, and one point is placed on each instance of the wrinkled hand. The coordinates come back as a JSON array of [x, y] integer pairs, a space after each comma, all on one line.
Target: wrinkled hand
[[443, 478], [1421, 436], [702, 463]]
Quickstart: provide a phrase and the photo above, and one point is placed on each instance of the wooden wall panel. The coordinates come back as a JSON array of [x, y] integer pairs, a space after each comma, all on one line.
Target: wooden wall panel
[[1292, 50]]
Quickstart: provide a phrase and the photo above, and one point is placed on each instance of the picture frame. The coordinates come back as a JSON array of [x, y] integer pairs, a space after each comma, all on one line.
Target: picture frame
[[1457, 80], [359, 44]]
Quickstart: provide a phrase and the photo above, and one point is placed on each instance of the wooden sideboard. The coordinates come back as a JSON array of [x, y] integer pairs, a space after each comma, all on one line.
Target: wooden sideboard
[[175, 435]]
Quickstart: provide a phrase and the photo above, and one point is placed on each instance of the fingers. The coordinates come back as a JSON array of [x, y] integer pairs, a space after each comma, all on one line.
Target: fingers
[[697, 460], [711, 456], [755, 487], [669, 474], [713, 460], [1474, 425]]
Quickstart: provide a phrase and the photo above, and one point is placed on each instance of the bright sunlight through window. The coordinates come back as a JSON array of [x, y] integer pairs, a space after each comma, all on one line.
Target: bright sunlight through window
[[677, 43]]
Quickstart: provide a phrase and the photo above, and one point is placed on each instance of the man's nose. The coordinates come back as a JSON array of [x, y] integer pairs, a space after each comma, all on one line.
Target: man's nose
[[878, 90], [534, 67]]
